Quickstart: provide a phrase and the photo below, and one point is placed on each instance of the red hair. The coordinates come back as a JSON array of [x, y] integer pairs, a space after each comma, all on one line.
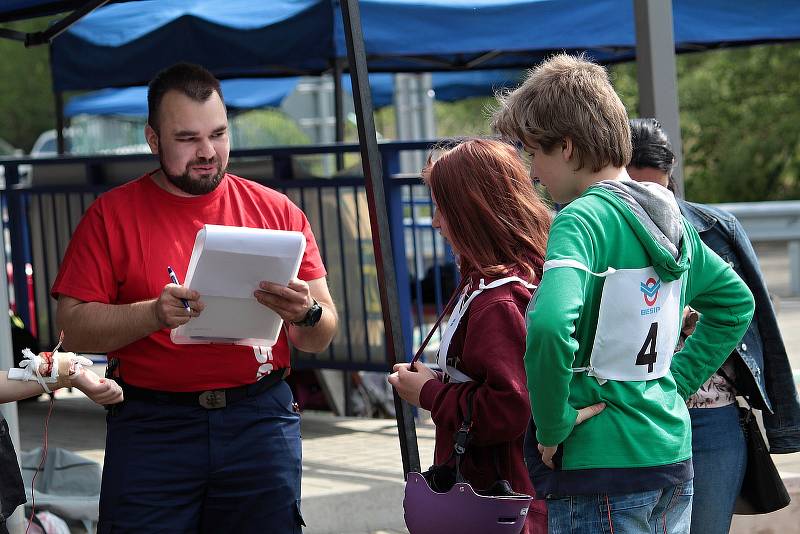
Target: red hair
[[497, 222]]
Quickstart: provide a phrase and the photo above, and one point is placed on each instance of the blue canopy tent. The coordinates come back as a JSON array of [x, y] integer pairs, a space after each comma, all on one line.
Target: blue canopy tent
[[244, 38], [250, 93], [12, 10], [25, 9], [307, 37], [240, 94]]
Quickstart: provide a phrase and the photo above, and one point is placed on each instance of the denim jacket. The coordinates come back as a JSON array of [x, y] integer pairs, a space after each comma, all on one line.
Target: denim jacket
[[764, 375]]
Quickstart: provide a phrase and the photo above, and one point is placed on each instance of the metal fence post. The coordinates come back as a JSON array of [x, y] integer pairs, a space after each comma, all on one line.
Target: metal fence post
[[20, 244], [794, 267], [391, 166], [387, 281]]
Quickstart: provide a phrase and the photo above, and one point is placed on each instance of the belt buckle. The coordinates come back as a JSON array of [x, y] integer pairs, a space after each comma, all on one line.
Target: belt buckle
[[213, 399]]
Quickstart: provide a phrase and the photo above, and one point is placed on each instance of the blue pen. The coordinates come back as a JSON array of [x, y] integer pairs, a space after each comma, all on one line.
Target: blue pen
[[174, 280]]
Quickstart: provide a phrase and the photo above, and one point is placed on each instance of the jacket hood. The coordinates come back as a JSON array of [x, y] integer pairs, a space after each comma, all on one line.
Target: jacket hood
[[653, 213]]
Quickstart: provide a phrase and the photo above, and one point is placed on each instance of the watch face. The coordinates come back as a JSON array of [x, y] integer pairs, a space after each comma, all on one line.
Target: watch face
[[312, 317], [314, 314]]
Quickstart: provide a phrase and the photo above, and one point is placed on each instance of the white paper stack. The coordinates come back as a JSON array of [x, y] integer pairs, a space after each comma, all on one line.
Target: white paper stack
[[226, 266]]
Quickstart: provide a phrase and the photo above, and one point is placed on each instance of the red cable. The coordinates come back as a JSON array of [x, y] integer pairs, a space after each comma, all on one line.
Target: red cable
[[608, 509], [41, 463]]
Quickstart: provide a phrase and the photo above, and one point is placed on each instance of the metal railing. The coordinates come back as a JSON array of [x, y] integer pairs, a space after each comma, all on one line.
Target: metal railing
[[771, 222], [42, 212]]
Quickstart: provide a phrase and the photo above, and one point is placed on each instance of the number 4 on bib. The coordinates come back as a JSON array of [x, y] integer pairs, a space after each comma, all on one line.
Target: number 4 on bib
[[647, 354]]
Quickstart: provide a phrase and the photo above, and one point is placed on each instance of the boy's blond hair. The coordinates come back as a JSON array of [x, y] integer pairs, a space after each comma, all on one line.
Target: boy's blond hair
[[568, 96]]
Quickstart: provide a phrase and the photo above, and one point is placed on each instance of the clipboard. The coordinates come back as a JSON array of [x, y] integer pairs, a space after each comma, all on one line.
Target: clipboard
[[226, 266]]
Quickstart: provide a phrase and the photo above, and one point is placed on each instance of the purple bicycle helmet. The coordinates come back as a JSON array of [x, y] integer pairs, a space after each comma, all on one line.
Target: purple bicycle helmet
[[461, 510]]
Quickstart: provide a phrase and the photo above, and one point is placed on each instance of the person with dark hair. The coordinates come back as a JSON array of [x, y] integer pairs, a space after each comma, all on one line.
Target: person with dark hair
[[757, 369], [487, 209], [620, 266], [207, 439]]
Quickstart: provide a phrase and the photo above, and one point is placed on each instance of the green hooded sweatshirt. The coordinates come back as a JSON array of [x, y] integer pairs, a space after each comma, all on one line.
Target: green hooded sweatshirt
[[625, 225]]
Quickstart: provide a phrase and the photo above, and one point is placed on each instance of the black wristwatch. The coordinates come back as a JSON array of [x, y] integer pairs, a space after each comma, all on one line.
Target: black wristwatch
[[313, 315]]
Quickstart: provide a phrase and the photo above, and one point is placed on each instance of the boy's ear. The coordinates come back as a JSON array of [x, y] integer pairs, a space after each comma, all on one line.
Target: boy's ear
[[566, 148]]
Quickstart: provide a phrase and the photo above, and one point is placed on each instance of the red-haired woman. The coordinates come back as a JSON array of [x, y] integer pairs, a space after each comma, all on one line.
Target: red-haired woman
[[487, 209]]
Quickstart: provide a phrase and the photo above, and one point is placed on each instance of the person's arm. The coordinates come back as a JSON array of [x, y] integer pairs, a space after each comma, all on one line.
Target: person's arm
[[492, 352], [292, 302], [550, 349], [726, 308], [100, 390], [101, 328], [86, 289], [14, 390]]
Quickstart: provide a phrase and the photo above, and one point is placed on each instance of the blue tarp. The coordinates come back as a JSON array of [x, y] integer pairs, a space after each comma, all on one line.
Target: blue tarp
[[132, 101], [27, 9], [241, 94], [125, 44]]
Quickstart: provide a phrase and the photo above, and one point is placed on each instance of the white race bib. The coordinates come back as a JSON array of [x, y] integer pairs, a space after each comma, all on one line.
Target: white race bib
[[637, 325], [448, 362]]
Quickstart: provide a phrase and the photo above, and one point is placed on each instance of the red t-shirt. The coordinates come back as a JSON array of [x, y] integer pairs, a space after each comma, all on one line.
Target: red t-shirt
[[119, 255]]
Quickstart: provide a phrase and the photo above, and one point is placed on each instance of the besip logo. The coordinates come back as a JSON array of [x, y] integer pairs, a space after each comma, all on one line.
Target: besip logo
[[650, 291]]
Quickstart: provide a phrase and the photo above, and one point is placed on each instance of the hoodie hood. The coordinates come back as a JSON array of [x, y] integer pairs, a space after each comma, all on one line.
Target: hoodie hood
[[653, 213]]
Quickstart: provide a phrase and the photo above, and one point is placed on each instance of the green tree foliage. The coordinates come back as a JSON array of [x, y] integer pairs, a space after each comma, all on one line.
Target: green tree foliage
[[26, 99], [466, 117], [265, 127], [453, 119], [739, 112], [740, 109], [740, 121]]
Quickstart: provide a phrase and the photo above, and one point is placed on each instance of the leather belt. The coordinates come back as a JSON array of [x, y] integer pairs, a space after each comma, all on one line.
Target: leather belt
[[211, 399]]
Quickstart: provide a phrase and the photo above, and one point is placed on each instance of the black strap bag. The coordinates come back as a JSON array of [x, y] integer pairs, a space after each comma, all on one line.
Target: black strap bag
[[762, 490]]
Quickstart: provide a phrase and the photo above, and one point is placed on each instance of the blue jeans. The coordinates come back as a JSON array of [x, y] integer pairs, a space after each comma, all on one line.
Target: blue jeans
[[666, 511], [184, 469], [719, 455]]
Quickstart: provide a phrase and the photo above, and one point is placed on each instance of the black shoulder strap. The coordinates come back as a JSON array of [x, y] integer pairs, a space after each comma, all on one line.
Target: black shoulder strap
[[462, 437]]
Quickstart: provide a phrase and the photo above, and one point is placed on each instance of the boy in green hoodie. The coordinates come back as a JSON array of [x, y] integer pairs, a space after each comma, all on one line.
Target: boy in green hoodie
[[610, 440]]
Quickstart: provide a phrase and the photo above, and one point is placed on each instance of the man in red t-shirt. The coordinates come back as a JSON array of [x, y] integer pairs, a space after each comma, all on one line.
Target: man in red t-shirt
[[207, 439]]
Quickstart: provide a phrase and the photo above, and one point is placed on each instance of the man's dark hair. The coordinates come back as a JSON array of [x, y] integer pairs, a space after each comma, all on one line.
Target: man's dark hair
[[651, 146], [192, 80]]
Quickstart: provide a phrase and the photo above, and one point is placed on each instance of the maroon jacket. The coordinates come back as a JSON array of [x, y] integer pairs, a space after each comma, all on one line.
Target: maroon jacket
[[491, 342]]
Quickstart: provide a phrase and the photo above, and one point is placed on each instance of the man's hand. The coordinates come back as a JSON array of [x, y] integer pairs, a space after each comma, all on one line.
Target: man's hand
[[583, 415], [408, 382], [100, 390], [291, 302], [169, 309]]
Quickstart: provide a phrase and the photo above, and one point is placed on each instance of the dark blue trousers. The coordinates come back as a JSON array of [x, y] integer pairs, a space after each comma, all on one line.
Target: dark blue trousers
[[184, 469]]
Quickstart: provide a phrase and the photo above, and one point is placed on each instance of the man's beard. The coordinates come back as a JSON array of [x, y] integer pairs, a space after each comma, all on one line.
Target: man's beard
[[206, 183]]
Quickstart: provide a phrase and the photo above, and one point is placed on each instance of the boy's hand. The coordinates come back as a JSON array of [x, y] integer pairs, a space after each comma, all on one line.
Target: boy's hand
[[583, 414]]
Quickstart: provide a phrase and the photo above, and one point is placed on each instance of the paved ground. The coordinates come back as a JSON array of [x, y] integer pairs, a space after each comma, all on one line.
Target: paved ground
[[352, 472]]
